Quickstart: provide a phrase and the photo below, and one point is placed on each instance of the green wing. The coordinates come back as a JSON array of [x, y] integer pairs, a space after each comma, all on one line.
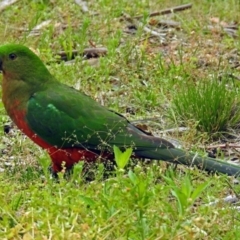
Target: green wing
[[65, 118]]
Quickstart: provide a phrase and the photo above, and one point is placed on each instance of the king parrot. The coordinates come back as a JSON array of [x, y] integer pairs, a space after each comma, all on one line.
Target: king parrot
[[71, 126]]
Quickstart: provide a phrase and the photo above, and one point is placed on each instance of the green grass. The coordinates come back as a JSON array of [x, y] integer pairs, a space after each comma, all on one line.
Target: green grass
[[212, 103], [150, 76], [144, 205]]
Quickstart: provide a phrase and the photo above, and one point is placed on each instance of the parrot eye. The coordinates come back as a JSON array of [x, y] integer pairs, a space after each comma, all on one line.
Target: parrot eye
[[12, 56]]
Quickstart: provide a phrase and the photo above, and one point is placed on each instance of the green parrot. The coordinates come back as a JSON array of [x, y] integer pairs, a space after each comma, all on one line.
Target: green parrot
[[71, 126]]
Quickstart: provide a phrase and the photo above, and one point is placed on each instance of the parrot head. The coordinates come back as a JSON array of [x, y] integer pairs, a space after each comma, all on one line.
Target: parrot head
[[20, 63]]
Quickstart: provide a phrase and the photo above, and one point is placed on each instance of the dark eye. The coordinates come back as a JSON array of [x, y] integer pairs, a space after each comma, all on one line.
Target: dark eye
[[12, 56]]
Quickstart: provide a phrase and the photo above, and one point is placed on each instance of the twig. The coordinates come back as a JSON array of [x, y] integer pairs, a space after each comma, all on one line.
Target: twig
[[225, 145], [232, 199], [230, 31], [82, 4], [6, 3], [137, 24], [235, 66], [234, 76], [154, 119], [172, 130], [152, 32], [37, 29], [87, 53], [92, 43], [95, 51], [168, 11], [169, 23]]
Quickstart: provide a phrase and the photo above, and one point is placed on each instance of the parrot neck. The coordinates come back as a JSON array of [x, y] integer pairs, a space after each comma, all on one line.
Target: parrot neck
[[16, 94]]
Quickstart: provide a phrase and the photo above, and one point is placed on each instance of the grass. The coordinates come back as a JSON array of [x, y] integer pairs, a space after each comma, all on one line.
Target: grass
[[211, 103], [141, 77]]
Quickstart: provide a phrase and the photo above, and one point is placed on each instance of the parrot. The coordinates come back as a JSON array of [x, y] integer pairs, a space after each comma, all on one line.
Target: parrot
[[73, 127]]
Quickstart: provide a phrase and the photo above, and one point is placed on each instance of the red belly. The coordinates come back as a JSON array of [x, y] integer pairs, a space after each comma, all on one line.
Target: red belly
[[70, 156], [60, 156]]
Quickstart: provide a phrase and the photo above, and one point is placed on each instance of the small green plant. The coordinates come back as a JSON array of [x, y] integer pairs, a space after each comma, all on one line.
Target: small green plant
[[185, 193], [213, 104], [122, 158], [77, 172], [139, 188], [45, 162]]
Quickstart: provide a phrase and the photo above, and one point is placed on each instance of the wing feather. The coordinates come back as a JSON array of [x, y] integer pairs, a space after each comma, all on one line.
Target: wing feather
[[64, 117]]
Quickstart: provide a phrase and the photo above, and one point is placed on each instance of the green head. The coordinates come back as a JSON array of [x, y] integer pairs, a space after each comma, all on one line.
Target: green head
[[18, 62]]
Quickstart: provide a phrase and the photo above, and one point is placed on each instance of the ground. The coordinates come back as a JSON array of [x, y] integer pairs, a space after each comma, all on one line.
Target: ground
[[174, 73]]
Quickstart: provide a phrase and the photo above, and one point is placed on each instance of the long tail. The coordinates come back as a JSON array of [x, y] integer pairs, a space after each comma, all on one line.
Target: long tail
[[147, 146], [175, 155]]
